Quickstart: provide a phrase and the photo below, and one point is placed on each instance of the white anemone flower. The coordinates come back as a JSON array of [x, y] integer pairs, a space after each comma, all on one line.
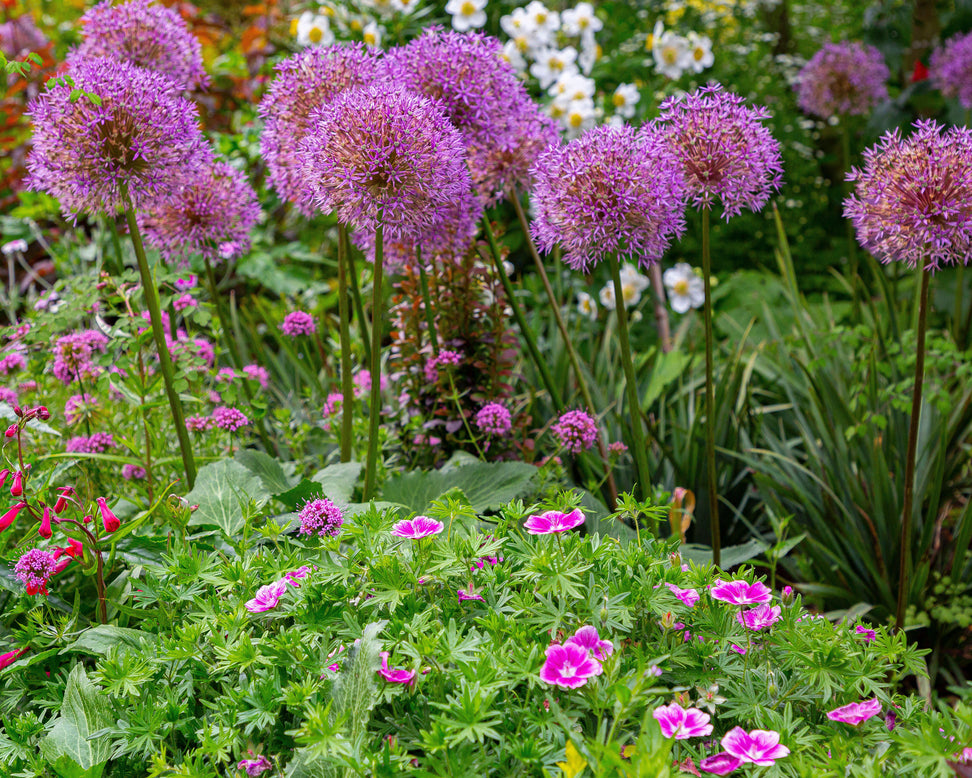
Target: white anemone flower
[[371, 34], [624, 100], [513, 54], [573, 86], [579, 117], [700, 52], [551, 64], [630, 291], [630, 275], [466, 14], [588, 55], [586, 306], [314, 30], [580, 20], [685, 289], [671, 52], [545, 21]]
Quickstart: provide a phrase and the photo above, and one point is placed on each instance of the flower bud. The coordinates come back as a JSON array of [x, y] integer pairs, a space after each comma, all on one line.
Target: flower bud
[[109, 519], [45, 526], [3, 476], [17, 488], [75, 548], [11, 515], [86, 520], [62, 500], [668, 620], [11, 431], [787, 595], [18, 411], [43, 414]]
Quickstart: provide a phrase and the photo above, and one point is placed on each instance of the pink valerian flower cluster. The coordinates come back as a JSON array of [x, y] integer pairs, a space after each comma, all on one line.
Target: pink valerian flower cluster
[[320, 517], [572, 664], [759, 618], [856, 713], [843, 79], [34, 569], [950, 68], [98, 443], [417, 528], [12, 362], [609, 191], [258, 374], [297, 323], [912, 199], [739, 592], [447, 357], [228, 418], [494, 419], [73, 355], [395, 674], [760, 747], [184, 302], [551, 522], [198, 423], [268, 597], [331, 407], [576, 431], [681, 724], [725, 151], [79, 407], [133, 472]]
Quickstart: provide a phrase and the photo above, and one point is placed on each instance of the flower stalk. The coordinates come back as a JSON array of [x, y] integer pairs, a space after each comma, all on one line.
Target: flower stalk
[[710, 398], [374, 402], [344, 314]]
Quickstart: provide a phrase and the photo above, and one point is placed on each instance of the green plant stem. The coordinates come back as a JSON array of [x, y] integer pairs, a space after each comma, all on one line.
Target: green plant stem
[[344, 314], [374, 403], [116, 265], [356, 296], [848, 224], [634, 403], [427, 301], [957, 316], [165, 358], [710, 398], [904, 568], [462, 415]]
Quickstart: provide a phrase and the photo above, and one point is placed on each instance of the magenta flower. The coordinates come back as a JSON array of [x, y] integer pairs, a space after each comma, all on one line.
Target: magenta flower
[[320, 517], [576, 431], [741, 592], [950, 68], [11, 515], [419, 527], [73, 356], [760, 617], [681, 724], [869, 634], [469, 593], [689, 596], [395, 674], [229, 418], [761, 747], [34, 569], [267, 597], [11, 656], [843, 79], [297, 323], [587, 637], [256, 766], [258, 374], [494, 419], [549, 522], [98, 443], [447, 357], [295, 575], [569, 666], [720, 764], [856, 712]]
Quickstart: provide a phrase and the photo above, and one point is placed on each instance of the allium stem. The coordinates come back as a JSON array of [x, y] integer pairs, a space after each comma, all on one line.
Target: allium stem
[[634, 402], [356, 296], [165, 358], [427, 301], [710, 467], [344, 314], [374, 402], [661, 310], [904, 568]]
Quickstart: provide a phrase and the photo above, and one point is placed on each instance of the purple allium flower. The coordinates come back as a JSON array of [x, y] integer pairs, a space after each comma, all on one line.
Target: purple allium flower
[[856, 712], [182, 302], [569, 666], [320, 517], [305, 82], [741, 592], [689, 596], [34, 569], [133, 472], [297, 323], [912, 199], [258, 374], [549, 522], [395, 674], [843, 79], [98, 443], [73, 353], [761, 747], [446, 357], [722, 763], [419, 527], [950, 68], [587, 637], [12, 363], [469, 593], [229, 418], [681, 724], [79, 407], [142, 138], [502, 127], [576, 431], [609, 191], [267, 597], [198, 423], [725, 151], [760, 617], [378, 155], [869, 634], [494, 419], [256, 766], [213, 204], [145, 34]]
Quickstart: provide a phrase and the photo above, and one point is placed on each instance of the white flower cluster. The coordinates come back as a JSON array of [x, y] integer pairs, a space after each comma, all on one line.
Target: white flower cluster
[[633, 284], [674, 53], [337, 21]]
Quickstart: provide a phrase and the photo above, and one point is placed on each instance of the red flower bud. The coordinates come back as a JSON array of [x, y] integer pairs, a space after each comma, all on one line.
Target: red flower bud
[[17, 489], [11, 431], [3, 476], [18, 411], [109, 519], [45, 526], [61, 504], [86, 520], [61, 564], [11, 656], [43, 414], [11, 515]]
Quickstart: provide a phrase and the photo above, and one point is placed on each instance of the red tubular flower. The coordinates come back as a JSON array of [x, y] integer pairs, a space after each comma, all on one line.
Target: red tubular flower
[[74, 549], [11, 515], [62, 500], [45, 530], [12, 656], [3, 476], [17, 489], [109, 519], [11, 431]]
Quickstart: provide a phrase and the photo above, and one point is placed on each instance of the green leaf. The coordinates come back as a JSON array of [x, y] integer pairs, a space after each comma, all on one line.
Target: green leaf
[[83, 712], [98, 639], [732, 556], [221, 490], [597, 518], [668, 367], [486, 485], [301, 493], [269, 470], [338, 480]]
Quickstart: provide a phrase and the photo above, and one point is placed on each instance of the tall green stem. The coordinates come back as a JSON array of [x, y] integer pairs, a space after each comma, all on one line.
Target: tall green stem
[[356, 296], [165, 358], [374, 402], [427, 301], [904, 568], [344, 314], [710, 467], [634, 402]]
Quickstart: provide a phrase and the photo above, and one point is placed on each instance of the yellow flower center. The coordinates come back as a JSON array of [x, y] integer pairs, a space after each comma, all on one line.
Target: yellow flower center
[[630, 292], [681, 287], [315, 34], [618, 100], [356, 25], [293, 27], [541, 18], [670, 55], [576, 120], [583, 22], [699, 53], [468, 9], [370, 38], [522, 43]]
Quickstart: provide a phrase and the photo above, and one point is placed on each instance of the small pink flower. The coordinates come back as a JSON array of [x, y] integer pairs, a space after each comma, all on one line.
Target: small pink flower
[[11, 656], [760, 617], [856, 712], [587, 637], [741, 592], [720, 764], [295, 575], [738, 649], [787, 595], [688, 596], [336, 665], [681, 724], [869, 634], [761, 747], [569, 666], [256, 766], [549, 522], [267, 597], [419, 527], [469, 593], [108, 519], [395, 674]]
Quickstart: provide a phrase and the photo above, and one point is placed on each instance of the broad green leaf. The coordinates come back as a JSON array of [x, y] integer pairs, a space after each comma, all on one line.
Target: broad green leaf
[[668, 367], [84, 711], [732, 556], [98, 639], [338, 481], [486, 485], [269, 470], [299, 494], [222, 488]]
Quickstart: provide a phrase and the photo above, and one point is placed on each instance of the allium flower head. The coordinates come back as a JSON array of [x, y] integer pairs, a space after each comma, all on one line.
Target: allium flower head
[[741, 592], [298, 323], [950, 69], [550, 522], [145, 34], [912, 199], [494, 419], [726, 152], [380, 155], [142, 137], [320, 517], [305, 82], [608, 191], [34, 569], [569, 666], [213, 205], [856, 712], [681, 724], [843, 79], [73, 356], [419, 527], [576, 431]]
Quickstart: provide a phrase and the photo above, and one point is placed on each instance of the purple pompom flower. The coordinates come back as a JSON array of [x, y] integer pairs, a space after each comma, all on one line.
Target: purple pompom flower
[[98, 443], [912, 199], [142, 138], [320, 517], [609, 191], [229, 418], [843, 79], [297, 323], [144, 34], [494, 419], [304, 83], [34, 569], [950, 69], [214, 205], [576, 431], [726, 152]]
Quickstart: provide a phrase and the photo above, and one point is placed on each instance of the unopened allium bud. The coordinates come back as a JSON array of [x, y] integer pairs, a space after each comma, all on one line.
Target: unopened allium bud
[[45, 530], [11, 515], [17, 488], [109, 519]]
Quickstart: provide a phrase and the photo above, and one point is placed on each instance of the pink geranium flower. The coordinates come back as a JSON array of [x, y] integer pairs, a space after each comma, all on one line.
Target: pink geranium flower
[[741, 592], [761, 747], [419, 527], [569, 666], [869, 634], [760, 617], [267, 597], [587, 637], [395, 674], [550, 522], [681, 724], [856, 712], [720, 764], [688, 596], [469, 593]]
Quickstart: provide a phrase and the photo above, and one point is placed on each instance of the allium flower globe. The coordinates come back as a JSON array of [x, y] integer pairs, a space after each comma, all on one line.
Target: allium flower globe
[[950, 69], [912, 199], [843, 79], [143, 138], [609, 191]]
